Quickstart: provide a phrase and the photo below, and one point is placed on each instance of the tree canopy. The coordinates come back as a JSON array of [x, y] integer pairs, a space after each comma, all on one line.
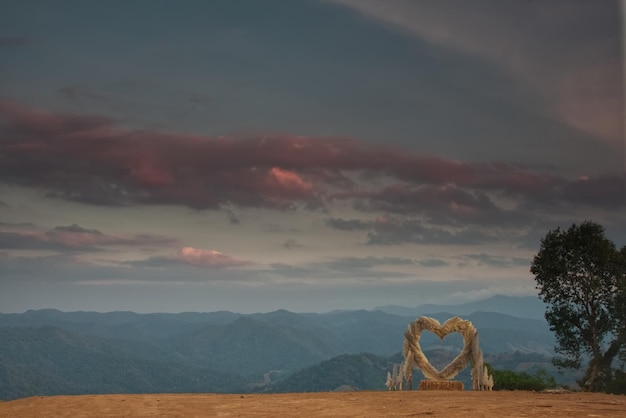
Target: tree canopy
[[581, 275]]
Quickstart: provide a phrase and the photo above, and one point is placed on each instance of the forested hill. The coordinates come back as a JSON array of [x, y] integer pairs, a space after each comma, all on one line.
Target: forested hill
[[53, 361], [51, 352]]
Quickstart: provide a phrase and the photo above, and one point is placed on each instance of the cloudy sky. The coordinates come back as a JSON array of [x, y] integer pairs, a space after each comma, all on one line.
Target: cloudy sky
[[158, 155]]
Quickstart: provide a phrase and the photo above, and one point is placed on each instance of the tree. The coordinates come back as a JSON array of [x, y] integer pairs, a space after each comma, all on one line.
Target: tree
[[581, 276]]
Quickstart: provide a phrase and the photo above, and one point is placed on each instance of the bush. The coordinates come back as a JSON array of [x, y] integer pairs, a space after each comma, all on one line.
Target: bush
[[617, 383], [510, 380]]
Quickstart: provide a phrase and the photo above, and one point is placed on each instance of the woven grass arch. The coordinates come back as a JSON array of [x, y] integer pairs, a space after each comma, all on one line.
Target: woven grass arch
[[471, 353]]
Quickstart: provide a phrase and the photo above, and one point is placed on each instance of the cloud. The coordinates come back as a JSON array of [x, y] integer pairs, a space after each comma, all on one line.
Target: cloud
[[207, 258], [606, 191], [499, 261], [291, 244], [278, 228], [348, 224], [196, 257], [397, 231], [25, 236], [348, 263], [348, 268], [233, 219], [567, 52], [433, 262], [68, 269], [90, 159], [439, 204], [17, 225]]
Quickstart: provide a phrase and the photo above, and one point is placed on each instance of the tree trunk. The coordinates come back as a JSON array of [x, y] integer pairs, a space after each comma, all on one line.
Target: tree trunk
[[587, 383]]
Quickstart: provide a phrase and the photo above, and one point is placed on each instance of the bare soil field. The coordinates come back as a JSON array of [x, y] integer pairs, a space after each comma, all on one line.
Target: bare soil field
[[345, 404]]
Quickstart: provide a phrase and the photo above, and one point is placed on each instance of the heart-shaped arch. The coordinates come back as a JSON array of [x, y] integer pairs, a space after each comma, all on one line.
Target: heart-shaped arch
[[414, 357]]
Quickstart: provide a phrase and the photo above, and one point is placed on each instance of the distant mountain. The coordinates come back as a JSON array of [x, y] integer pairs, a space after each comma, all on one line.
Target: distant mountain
[[205, 338], [52, 352], [248, 346], [365, 331], [348, 371], [523, 307], [53, 361], [383, 334], [366, 371], [121, 325]]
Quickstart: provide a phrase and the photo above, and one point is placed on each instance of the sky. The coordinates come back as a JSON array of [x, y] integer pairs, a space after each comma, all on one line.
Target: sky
[[309, 155]]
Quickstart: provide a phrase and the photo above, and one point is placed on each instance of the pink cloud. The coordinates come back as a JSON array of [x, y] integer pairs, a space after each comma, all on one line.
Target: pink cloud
[[90, 159], [207, 258], [37, 121]]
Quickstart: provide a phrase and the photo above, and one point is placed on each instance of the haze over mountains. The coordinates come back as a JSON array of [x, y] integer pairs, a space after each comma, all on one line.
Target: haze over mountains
[[47, 352], [524, 307]]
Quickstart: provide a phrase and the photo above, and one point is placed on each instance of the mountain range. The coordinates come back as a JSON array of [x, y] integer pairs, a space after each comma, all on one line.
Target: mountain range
[[46, 352]]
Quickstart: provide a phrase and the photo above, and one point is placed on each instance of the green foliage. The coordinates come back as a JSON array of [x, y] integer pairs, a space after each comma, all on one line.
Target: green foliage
[[53, 361], [616, 383], [49, 352], [510, 380], [581, 276], [249, 347]]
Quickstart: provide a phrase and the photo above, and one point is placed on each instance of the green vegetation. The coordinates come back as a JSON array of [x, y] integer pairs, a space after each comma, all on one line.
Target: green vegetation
[[616, 383], [53, 361], [251, 347], [510, 380], [50, 352], [582, 277]]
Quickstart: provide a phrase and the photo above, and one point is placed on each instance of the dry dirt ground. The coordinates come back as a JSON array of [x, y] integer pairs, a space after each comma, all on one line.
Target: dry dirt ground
[[346, 404]]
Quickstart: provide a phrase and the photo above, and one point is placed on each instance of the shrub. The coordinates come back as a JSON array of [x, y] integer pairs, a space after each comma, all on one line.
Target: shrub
[[510, 380]]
